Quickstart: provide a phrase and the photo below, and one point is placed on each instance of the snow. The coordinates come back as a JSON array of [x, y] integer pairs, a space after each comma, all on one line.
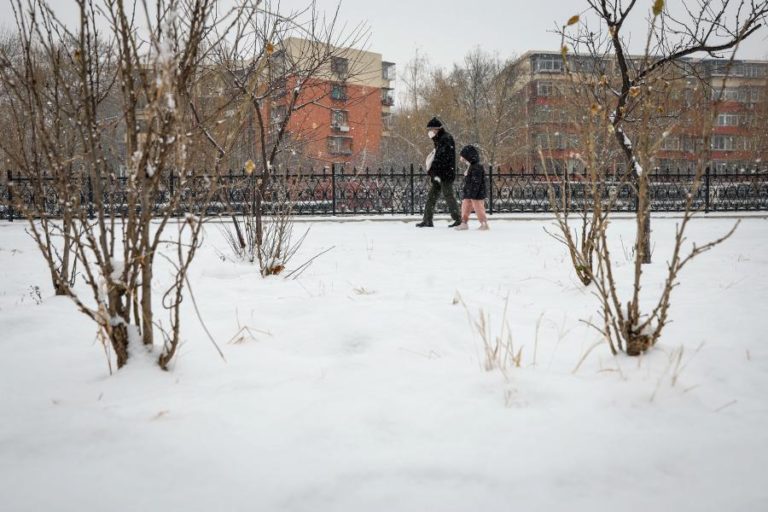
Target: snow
[[118, 267], [360, 386]]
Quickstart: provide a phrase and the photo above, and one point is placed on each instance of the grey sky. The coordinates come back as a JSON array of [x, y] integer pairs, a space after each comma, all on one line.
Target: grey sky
[[445, 30]]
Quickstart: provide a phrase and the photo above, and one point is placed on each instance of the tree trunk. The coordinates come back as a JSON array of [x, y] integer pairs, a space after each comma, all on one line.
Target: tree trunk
[[257, 214], [644, 227], [119, 339], [147, 258], [146, 300]]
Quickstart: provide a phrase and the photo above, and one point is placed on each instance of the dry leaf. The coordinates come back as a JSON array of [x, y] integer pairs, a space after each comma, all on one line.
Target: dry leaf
[[658, 6], [573, 20]]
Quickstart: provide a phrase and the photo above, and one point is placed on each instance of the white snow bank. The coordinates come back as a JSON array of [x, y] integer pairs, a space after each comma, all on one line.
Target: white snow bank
[[363, 387]]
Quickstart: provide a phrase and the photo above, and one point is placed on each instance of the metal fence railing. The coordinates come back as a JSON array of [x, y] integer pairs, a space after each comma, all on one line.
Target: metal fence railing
[[339, 191]]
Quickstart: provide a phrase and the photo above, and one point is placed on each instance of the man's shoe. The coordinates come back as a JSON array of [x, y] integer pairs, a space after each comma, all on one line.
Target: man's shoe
[[424, 224], [455, 224]]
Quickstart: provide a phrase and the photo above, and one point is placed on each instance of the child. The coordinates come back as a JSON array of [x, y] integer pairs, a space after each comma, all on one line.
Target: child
[[473, 193]]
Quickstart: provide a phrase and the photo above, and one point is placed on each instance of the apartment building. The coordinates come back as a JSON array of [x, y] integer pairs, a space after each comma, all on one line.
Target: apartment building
[[348, 106], [734, 98]]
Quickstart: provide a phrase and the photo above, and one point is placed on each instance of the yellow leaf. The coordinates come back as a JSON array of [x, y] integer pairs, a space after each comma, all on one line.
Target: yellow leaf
[[564, 50], [634, 92], [270, 48], [249, 167], [658, 6], [573, 20]]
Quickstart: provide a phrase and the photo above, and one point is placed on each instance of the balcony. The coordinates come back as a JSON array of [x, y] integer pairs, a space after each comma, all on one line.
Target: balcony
[[387, 97], [340, 67], [339, 92], [388, 71]]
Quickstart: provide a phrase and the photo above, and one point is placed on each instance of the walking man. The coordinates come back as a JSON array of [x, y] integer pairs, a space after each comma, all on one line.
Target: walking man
[[441, 169]]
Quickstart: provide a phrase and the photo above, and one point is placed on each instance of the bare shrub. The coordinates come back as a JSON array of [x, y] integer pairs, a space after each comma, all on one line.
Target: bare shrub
[[630, 108], [498, 349], [276, 246], [82, 89]]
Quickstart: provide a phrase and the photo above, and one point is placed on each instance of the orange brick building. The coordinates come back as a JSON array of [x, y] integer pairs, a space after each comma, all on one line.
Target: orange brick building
[[737, 139], [348, 107]]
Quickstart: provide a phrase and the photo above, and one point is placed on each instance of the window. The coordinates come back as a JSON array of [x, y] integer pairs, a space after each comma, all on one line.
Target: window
[[730, 94], [386, 120], [340, 145], [722, 142], [339, 66], [340, 120], [727, 119], [664, 165], [339, 92], [689, 144], [542, 114], [388, 71], [548, 114], [755, 70], [552, 141], [279, 62], [278, 113], [587, 64], [387, 97], [548, 64], [545, 89], [671, 143], [279, 87], [729, 143]]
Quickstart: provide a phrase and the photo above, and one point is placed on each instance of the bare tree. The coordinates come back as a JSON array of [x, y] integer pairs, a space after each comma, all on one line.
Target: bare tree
[[474, 99], [702, 27], [277, 65], [588, 199], [625, 325], [149, 60], [487, 112]]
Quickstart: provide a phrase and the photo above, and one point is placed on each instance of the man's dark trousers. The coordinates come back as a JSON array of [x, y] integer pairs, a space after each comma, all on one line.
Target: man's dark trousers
[[446, 189]]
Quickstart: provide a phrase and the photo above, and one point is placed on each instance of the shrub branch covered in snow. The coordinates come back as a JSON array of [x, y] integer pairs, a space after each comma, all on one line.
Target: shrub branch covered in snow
[[149, 88]]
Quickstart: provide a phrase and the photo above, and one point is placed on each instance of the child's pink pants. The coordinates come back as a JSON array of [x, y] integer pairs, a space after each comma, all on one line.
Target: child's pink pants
[[468, 205]]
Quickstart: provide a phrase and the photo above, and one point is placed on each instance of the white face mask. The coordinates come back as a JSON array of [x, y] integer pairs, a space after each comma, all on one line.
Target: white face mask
[[432, 133]]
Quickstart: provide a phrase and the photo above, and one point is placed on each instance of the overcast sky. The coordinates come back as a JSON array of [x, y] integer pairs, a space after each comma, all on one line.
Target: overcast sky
[[445, 30]]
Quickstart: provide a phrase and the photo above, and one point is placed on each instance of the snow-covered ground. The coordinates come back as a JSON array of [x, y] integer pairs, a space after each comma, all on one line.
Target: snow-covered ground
[[363, 388]]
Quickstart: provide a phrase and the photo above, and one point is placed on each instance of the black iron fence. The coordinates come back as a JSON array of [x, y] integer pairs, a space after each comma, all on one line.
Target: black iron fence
[[348, 192]]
